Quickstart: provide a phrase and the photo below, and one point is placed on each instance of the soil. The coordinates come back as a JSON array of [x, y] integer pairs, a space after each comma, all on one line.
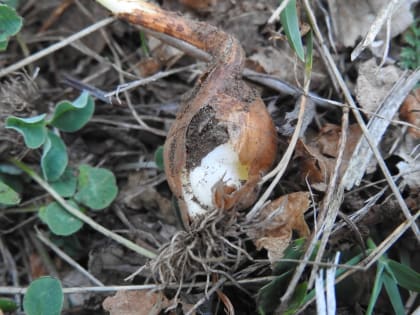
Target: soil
[[125, 133]]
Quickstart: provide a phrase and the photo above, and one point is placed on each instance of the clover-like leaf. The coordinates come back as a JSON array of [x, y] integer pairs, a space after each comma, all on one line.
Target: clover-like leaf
[[71, 116], [66, 185], [97, 187], [32, 129], [290, 23], [7, 195], [59, 220], [44, 297], [54, 157], [10, 24]]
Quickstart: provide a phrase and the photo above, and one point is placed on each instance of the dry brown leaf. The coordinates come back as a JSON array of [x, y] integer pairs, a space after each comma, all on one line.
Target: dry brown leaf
[[374, 84], [410, 112], [135, 303], [278, 220], [354, 18], [282, 63], [317, 159]]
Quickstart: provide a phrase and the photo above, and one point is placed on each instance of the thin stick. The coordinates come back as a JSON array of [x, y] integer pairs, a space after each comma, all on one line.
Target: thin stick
[[61, 44], [384, 14], [68, 259], [276, 14], [80, 215]]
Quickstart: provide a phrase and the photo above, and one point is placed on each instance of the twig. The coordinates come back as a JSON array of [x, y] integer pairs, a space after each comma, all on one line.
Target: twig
[[61, 44], [78, 214], [276, 14], [334, 196], [362, 153], [384, 14], [67, 258]]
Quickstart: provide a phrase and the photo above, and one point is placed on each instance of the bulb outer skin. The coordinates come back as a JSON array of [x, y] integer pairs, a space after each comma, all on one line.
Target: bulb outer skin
[[229, 111]]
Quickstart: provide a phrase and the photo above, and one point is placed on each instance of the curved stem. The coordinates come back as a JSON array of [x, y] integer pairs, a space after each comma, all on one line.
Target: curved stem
[[119, 239]]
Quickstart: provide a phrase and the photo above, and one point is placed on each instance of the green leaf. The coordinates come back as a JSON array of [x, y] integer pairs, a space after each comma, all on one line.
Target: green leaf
[[71, 116], [44, 297], [7, 195], [293, 251], [3, 45], [66, 185], [54, 157], [269, 295], [7, 305], [32, 129], [10, 3], [10, 24], [405, 276], [159, 158], [297, 298], [97, 187], [377, 287], [290, 23], [42, 214], [59, 220], [394, 294]]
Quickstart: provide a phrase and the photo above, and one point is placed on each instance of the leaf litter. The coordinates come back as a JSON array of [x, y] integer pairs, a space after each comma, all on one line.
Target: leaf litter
[[223, 244]]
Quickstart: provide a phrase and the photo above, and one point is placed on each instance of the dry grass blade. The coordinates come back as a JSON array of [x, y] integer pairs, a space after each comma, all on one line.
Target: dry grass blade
[[384, 15], [377, 126]]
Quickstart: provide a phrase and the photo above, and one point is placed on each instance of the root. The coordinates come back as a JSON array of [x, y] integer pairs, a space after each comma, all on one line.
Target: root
[[213, 245]]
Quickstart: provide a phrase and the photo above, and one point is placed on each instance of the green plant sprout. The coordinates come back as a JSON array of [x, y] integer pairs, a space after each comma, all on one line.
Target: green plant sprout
[[390, 274]]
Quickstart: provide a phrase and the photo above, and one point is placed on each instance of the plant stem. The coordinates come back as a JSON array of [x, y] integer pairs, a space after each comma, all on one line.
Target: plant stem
[[119, 239]]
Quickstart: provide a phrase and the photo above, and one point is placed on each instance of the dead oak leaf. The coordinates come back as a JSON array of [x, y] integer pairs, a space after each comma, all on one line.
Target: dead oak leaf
[[278, 220], [135, 303], [317, 158]]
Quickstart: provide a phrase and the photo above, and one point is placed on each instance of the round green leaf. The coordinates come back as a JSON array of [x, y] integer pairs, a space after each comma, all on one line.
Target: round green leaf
[[66, 185], [10, 22], [7, 305], [71, 116], [59, 220], [54, 157], [7, 195], [159, 158], [97, 187], [32, 129], [44, 297]]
